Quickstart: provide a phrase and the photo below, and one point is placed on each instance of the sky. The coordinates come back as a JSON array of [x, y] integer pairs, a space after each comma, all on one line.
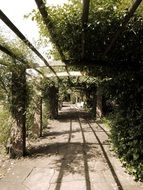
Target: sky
[[15, 11]]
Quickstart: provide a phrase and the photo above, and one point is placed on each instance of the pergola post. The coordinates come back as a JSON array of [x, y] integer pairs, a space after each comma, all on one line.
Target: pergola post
[[41, 113], [53, 102], [94, 106], [38, 125], [99, 102], [18, 110]]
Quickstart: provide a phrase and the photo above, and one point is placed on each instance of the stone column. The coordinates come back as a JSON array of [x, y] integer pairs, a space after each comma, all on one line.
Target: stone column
[[52, 97], [18, 110], [37, 127]]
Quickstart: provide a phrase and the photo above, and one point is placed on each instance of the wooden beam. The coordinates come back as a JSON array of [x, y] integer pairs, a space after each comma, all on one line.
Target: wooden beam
[[12, 55], [65, 74], [6, 20], [85, 14], [8, 52], [121, 28], [50, 26]]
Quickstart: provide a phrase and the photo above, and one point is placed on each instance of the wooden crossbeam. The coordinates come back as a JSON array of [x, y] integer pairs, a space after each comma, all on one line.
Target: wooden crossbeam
[[11, 54], [85, 14], [8, 52], [125, 22], [59, 74], [50, 26], [6, 20], [65, 74]]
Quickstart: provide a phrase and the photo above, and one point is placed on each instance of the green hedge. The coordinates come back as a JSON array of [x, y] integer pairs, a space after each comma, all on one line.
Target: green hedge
[[127, 123]]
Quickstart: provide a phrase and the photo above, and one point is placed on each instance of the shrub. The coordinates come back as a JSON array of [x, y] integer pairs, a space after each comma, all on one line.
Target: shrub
[[5, 125]]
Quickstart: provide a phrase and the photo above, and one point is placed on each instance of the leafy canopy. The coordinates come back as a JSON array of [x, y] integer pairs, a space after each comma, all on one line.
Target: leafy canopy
[[105, 17]]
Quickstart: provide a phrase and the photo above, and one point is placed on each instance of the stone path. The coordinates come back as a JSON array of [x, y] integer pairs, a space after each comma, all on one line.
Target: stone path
[[73, 154]]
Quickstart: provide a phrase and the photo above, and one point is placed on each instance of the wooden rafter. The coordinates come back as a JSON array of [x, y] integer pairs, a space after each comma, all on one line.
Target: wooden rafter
[[6, 20], [50, 26], [11, 54], [125, 22], [8, 52], [85, 14], [59, 74], [65, 74]]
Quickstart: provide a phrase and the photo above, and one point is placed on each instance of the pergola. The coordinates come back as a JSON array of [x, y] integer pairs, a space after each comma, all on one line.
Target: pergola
[[20, 75], [51, 28]]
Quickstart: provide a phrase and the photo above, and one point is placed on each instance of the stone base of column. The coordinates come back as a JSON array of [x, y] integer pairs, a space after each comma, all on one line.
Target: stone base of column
[[16, 145]]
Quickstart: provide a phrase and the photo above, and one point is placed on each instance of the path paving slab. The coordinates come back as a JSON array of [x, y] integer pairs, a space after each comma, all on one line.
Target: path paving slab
[[103, 186], [39, 179], [71, 185], [17, 175], [9, 186]]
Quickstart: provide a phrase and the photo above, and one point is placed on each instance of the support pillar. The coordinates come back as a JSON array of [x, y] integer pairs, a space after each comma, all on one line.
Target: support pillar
[[41, 123], [18, 110], [53, 102], [99, 102], [38, 125], [94, 105]]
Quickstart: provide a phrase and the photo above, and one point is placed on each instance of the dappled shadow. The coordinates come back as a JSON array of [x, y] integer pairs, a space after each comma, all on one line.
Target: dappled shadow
[[75, 161], [60, 149], [73, 114], [58, 133], [54, 148], [85, 158], [72, 159]]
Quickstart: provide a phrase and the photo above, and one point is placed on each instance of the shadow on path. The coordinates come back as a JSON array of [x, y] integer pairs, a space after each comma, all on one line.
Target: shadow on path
[[86, 168], [64, 163], [107, 159], [73, 156]]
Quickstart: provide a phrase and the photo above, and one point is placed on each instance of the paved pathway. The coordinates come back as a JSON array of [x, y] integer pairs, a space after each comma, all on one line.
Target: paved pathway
[[74, 154]]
